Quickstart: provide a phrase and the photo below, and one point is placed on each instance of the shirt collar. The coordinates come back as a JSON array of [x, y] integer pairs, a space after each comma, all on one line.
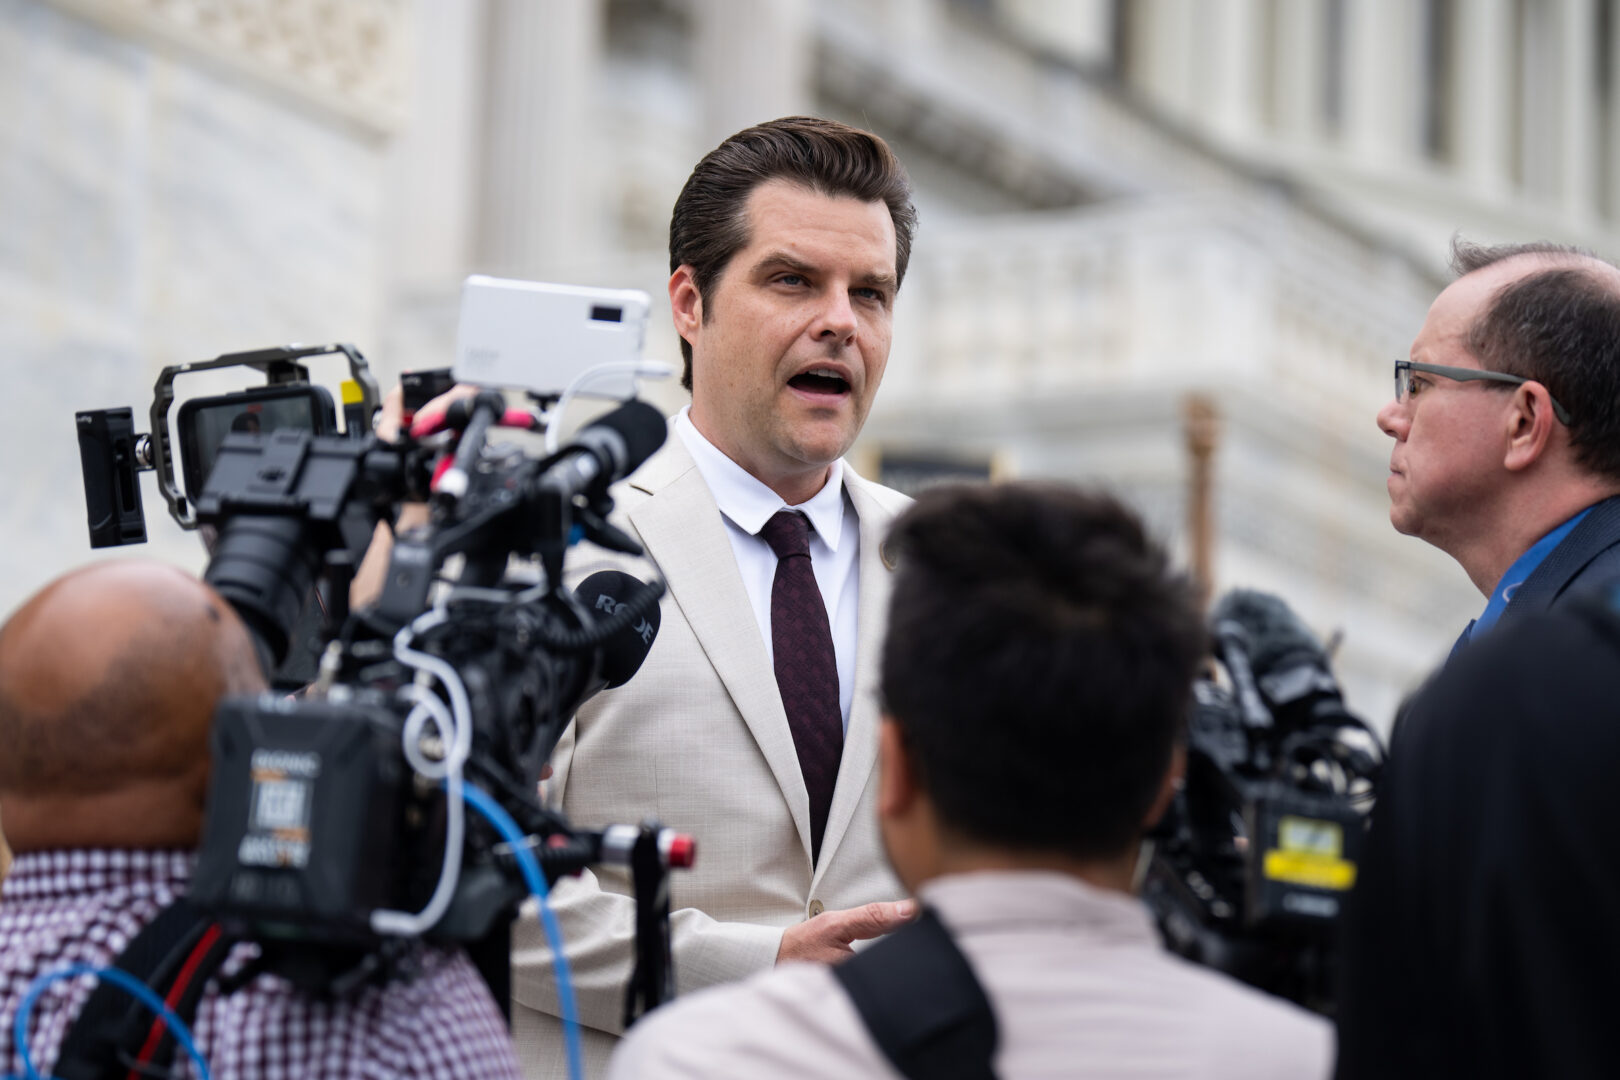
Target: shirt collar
[[745, 499], [67, 873], [1520, 571], [993, 900]]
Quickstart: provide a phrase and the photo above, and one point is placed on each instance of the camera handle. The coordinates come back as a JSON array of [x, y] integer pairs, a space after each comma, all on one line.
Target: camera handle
[[653, 980]]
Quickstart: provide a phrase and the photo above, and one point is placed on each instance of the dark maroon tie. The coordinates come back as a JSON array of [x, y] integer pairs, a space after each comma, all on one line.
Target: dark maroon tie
[[806, 666]]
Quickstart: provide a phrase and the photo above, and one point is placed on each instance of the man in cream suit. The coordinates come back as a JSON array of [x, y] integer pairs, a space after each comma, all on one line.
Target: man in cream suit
[[753, 723]]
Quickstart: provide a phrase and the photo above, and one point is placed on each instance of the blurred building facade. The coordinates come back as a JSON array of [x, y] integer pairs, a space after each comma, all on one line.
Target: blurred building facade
[[1161, 240]]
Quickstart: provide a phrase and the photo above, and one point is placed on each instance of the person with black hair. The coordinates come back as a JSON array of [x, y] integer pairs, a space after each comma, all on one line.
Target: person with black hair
[[1035, 680], [1506, 421]]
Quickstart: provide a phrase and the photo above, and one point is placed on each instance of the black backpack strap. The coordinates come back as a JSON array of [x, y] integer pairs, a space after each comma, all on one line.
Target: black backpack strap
[[923, 1005], [176, 954]]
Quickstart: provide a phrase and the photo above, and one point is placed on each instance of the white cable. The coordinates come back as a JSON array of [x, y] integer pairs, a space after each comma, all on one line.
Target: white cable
[[655, 369], [455, 729], [428, 707]]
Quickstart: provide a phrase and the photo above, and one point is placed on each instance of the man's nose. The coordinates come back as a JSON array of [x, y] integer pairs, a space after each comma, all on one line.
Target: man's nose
[[1392, 419], [836, 321]]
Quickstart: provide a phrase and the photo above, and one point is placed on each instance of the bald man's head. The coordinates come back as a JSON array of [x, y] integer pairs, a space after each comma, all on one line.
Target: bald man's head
[[108, 682]]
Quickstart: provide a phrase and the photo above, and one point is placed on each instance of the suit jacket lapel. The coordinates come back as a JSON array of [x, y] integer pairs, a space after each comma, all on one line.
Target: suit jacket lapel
[[1591, 538], [683, 531], [861, 740]]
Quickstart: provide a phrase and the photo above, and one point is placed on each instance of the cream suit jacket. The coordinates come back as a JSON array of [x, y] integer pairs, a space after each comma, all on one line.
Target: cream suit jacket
[[698, 739]]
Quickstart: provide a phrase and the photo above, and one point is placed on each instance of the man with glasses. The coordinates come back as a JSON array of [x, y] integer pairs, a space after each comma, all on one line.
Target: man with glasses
[[1506, 421]]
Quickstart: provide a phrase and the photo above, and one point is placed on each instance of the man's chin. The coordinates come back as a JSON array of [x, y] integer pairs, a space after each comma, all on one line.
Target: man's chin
[[820, 444]]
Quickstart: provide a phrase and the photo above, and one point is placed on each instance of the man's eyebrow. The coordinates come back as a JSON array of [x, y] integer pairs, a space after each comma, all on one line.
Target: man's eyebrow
[[774, 260]]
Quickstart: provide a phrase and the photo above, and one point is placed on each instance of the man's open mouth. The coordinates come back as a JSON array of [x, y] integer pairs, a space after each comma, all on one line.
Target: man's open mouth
[[820, 381]]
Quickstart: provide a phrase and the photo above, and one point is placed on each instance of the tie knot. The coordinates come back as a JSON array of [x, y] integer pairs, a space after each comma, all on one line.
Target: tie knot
[[788, 533]]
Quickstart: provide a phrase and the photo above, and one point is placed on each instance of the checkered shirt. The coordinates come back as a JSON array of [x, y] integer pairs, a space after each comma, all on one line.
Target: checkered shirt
[[83, 907]]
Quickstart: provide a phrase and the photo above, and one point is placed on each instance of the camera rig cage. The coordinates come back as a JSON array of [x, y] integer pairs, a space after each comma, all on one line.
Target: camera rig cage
[[112, 453]]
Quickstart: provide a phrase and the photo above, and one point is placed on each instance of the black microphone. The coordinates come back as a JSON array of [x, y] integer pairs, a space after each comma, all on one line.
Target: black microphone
[[1233, 647], [630, 606], [1290, 665], [608, 449]]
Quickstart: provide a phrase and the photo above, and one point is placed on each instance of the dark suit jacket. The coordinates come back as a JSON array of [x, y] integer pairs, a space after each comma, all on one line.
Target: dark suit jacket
[[1589, 554], [1481, 939]]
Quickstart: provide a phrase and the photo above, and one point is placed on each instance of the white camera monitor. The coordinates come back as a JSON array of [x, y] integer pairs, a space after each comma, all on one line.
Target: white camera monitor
[[540, 338]]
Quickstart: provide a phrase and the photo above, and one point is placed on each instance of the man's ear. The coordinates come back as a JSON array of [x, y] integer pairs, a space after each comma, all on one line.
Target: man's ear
[[1168, 786], [685, 302], [897, 778], [1530, 426]]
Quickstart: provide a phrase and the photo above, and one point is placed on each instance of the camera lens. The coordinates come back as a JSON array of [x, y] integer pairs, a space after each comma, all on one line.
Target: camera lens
[[264, 566]]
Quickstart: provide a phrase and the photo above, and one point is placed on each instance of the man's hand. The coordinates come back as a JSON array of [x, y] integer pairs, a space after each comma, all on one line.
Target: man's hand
[[825, 939], [372, 572]]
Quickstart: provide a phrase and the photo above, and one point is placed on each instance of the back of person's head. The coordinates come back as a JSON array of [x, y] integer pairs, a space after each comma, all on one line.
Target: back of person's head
[[1558, 324], [108, 681], [710, 224], [1039, 662]]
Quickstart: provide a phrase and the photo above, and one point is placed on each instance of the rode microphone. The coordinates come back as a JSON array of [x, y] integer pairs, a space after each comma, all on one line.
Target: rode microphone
[[630, 607]]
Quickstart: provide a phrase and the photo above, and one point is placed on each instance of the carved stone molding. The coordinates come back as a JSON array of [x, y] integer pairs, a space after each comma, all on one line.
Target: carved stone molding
[[345, 58]]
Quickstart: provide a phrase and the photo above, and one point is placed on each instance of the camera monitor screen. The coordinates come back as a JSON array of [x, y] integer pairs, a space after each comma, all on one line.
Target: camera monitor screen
[[204, 422]]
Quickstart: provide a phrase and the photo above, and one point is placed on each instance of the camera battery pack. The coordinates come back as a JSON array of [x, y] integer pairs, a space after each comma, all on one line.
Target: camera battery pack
[[302, 823]]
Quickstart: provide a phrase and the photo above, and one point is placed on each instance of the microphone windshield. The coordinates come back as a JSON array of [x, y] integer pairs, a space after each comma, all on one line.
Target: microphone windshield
[[604, 593], [640, 428], [1275, 633]]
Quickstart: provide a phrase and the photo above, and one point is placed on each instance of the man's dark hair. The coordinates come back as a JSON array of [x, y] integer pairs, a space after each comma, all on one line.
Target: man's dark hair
[[1561, 327], [709, 226], [1039, 661]]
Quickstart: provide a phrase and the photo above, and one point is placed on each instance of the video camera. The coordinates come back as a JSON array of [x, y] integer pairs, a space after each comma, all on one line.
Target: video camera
[[336, 826], [1250, 866]]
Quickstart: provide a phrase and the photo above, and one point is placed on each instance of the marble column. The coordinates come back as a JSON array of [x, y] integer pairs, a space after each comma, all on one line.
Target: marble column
[[1576, 111], [431, 197], [538, 211], [1383, 42], [1082, 30], [1485, 105], [1299, 63], [1234, 49], [1537, 151], [1609, 134], [1170, 49], [753, 60]]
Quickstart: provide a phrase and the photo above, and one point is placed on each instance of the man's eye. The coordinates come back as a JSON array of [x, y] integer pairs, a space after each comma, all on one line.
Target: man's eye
[[1415, 385], [790, 279], [877, 295]]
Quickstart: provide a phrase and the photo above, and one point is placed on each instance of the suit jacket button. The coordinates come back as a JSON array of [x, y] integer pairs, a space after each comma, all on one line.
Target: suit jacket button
[[816, 908]]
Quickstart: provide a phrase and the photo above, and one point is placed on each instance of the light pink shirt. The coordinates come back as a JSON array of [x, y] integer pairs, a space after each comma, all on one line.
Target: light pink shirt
[[1079, 982]]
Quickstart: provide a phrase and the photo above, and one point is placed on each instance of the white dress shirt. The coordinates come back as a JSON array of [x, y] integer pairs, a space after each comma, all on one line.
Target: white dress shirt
[[1080, 985], [746, 504]]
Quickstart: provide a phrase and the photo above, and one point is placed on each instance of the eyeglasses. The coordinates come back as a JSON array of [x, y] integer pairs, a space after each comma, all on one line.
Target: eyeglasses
[[1403, 381]]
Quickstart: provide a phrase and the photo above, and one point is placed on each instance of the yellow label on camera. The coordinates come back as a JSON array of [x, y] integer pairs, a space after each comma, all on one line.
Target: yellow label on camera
[[1308, 853], [1312, 871]]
